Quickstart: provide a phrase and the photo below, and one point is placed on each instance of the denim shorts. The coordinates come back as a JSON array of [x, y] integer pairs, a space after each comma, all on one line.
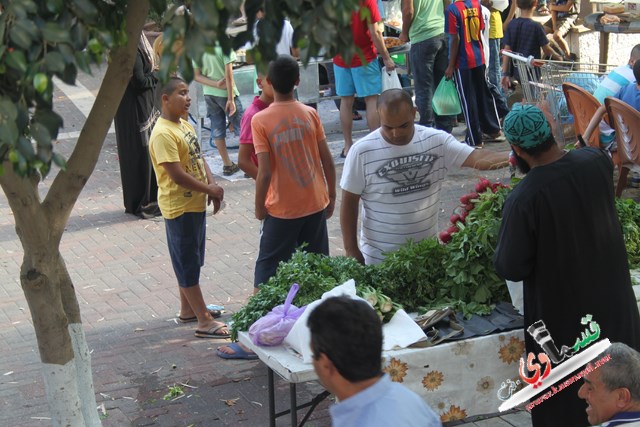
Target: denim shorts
[[186, 235], [218, 116], [364, 80]]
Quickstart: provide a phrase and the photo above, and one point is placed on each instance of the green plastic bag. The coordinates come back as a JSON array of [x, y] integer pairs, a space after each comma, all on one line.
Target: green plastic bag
[[445, 99]]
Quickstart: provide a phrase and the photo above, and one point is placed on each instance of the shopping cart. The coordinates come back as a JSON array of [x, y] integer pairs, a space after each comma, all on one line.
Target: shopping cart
[[541, 83]]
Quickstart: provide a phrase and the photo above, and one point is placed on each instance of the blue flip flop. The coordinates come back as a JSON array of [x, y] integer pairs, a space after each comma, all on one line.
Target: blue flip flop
[[238, 353]]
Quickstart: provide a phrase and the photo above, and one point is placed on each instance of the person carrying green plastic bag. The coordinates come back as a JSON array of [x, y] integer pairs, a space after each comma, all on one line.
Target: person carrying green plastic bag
[[445, 100]]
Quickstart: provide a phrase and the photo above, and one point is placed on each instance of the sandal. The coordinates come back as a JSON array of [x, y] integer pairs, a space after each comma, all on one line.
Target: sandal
[[543, 10], [230, 170], [213, 332]]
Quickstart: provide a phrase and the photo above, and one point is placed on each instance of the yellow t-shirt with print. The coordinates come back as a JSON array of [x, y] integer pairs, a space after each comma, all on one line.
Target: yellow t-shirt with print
[[172, 142]]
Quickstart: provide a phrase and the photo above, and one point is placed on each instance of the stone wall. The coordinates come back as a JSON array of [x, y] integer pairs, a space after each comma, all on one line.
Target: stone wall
[[587, 45]]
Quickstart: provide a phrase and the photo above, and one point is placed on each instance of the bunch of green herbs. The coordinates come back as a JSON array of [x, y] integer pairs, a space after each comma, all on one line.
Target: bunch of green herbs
[[471, 281], [315, 273], [629, 215], [412, 274]]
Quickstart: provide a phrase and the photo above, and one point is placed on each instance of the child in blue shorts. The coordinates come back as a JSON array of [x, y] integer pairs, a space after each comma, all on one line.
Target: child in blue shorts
[[221, 96], [185, 187]]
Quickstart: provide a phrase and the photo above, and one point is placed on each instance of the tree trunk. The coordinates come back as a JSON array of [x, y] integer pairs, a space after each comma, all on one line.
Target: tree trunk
[[44, 277]]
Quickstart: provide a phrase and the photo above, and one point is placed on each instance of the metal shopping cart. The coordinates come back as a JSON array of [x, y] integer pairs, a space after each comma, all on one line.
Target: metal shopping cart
[[541, 83]]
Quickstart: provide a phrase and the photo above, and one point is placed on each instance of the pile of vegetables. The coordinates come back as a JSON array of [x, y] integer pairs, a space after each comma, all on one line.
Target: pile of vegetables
[[382, 304], [424, 275], [471, 280], [315, 273], [629, 214]]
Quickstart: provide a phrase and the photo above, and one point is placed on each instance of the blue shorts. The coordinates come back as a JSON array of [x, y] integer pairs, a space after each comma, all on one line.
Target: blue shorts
[[186, 235], [218, 116], [364, 80]]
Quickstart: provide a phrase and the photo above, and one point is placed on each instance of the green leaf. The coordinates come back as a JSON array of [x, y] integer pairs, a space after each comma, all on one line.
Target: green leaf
[[20, 37], [86, 10], [54, 62], [40, 82], [54, 6], [17, 61], [94, 46], [60, 161], [53, 33], [82, 62], [50, 119], [30, 6], [41, 134], [79, 36], [8, 133], [25, 148]]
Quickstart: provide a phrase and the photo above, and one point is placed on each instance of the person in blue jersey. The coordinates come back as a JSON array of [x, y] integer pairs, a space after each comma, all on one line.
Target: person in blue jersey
[[464, 25]]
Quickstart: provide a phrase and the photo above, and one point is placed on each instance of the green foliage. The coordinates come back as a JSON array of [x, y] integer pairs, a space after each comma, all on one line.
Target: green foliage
[[412, 274], [629, 214], [471, 277], [319, 28], [47, 38], [41, 40], [174, 392], [315, 273]]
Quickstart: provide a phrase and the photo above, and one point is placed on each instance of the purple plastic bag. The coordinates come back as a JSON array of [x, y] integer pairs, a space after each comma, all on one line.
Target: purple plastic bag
[[273, 327]]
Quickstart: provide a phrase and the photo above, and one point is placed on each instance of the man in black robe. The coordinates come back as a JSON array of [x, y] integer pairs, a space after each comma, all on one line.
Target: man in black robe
[[560, 234]]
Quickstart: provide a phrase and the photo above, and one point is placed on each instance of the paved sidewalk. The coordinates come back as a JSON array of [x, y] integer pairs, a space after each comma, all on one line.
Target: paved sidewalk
[[127, 293]]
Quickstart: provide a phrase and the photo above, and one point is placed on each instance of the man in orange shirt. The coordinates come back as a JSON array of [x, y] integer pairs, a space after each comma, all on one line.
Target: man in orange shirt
[[296, 182]]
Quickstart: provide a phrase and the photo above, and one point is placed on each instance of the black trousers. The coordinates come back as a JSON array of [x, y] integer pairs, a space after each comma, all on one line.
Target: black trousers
[[280, 238], [478, 105]]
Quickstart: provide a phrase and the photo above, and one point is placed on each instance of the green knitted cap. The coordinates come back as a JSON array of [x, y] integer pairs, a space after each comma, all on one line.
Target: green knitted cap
[[526, 126]]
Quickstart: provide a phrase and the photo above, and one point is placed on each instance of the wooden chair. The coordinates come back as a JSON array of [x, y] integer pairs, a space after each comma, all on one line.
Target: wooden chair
[[583, 106], [625, 120]]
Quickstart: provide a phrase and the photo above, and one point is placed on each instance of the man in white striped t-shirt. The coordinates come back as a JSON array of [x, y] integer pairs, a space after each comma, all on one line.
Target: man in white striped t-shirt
[[397, 171]]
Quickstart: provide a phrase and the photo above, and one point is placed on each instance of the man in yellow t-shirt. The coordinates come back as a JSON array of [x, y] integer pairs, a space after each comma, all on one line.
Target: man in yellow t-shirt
[[185, 186]]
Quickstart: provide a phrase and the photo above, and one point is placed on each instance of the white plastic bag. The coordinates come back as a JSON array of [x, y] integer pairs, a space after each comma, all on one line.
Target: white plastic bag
[[516, 291], [390, 80]]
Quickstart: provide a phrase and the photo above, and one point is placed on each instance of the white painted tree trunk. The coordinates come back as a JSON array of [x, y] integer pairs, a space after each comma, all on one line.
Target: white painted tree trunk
[[69, 387], [60, 386], [84, 379]]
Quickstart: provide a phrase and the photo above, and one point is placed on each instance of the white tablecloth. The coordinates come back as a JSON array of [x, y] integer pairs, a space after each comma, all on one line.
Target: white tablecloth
[[458, 379]]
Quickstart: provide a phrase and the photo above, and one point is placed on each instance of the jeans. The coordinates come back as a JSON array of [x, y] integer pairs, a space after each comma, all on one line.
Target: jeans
[[429, 60], [494, 63], [493, 75]]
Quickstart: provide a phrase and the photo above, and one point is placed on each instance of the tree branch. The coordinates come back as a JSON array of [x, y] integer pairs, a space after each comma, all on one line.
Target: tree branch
[[68, 184], [24, 201]]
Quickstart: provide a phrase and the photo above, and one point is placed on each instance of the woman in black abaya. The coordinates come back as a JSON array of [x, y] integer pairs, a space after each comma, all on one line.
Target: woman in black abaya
[[134, 120]]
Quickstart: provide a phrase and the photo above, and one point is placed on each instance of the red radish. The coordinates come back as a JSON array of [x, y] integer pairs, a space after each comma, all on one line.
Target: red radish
[[454, 218], [463, 215], [468, 206], [481, 187], [452, 229], [444, 236]]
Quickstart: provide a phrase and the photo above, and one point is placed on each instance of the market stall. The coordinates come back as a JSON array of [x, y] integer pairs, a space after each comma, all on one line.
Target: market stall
[[457, 379], [624, 24]]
